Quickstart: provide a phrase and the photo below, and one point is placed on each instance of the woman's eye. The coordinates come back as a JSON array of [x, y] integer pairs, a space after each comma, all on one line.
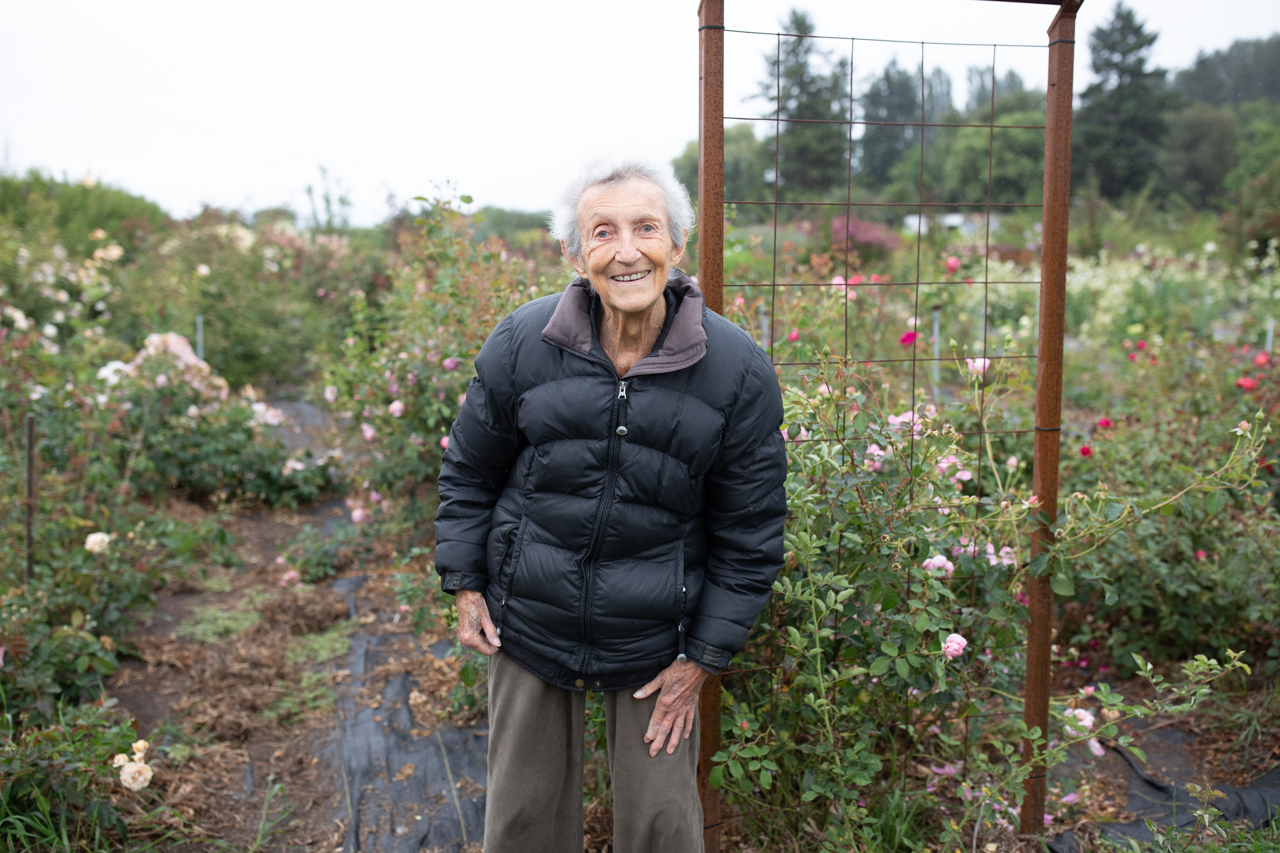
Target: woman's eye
[[601, 234], [648, 229]]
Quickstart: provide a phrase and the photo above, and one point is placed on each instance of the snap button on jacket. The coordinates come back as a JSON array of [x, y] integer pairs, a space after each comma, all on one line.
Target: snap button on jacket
[[613, 523]]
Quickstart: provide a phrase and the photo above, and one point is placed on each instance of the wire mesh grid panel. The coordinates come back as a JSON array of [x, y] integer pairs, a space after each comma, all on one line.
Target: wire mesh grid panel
[[889, 265]]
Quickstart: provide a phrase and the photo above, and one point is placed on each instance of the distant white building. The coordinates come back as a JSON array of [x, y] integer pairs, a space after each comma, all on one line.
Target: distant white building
[[968, 224]]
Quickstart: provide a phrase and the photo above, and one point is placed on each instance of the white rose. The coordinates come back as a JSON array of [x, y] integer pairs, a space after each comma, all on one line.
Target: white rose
[[135, 776], [97, 543]]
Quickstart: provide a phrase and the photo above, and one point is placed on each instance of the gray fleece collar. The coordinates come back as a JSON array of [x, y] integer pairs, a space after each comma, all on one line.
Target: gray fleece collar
[[684, 345]]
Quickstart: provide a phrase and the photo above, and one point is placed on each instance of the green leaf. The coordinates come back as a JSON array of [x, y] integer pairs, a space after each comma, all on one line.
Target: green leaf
[[904, 669], [735, 769], [889, 648], [465, 199], [1142, 756], [468, 673], [1062, 585], [880, 667], [1113, 510], [1215, 501], [716, 777], [766, 780]]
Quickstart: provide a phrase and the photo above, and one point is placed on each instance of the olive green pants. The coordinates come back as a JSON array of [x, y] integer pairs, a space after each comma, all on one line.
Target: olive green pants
[[534, 801]]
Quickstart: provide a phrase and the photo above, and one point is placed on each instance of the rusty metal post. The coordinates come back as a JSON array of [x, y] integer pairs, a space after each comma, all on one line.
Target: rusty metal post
[[711, 153], [711, 282], [1053, 297], [31, 497]]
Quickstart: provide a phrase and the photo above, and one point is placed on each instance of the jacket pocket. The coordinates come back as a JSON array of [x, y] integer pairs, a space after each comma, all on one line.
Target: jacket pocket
[[507, 569]]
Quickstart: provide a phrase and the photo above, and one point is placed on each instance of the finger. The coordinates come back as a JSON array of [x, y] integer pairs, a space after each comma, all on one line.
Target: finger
[[649, 689], [475, 640], [490, 632], [688, 728], [655, 724], [677, 729], [663, 731]]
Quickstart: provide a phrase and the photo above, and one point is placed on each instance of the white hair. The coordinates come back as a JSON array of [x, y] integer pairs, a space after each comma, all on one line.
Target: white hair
[[564, 218]]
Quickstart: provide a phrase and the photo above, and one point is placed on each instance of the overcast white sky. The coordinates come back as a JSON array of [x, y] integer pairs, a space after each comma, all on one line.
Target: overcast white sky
[[238, 104]]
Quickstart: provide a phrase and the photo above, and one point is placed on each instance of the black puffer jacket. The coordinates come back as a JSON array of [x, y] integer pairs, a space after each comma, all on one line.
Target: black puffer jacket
[[615, 523]]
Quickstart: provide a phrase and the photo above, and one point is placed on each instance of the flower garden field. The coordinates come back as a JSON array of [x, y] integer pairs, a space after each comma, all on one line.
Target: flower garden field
[[192, 513]]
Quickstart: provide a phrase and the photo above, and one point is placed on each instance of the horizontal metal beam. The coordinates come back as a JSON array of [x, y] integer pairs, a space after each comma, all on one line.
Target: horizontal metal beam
[[1038, 2]]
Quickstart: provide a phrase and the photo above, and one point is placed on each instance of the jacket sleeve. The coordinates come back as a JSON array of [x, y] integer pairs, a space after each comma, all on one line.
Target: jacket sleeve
[[483, 445], [746, 511]]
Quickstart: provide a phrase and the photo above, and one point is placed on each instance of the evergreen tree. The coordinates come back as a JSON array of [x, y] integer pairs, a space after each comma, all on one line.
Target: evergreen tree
[[1122, 114], [1197, 152], [806, 84], [894, 97], [1246, 71], [746, 161]]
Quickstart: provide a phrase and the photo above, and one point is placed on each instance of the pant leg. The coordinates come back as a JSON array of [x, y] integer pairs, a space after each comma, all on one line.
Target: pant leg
[[534, 798], [655, 800]]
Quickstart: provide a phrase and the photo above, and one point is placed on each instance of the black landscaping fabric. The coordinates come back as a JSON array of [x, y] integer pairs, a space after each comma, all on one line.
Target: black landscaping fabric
[[434, 807], [1169, 804]]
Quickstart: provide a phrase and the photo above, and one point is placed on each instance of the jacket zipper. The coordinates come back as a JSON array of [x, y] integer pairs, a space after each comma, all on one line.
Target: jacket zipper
[[602, 518], [618, 430]]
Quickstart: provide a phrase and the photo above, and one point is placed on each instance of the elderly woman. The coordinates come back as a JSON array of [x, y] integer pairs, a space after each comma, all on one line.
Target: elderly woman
[[611, 513]]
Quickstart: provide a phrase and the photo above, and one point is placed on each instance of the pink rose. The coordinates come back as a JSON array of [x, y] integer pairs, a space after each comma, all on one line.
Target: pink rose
[[1261, 359], [375, 496], [450, 363], [444, 442], [909, 338], [358, 515], [1104, 423], [793, 335], [368, 432], [953, 264], [396, 409], [953, 646], [937, 561]]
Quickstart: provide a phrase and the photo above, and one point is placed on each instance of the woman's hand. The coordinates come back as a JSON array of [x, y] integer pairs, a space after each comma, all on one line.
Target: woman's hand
[[680, 684], [475, 628]]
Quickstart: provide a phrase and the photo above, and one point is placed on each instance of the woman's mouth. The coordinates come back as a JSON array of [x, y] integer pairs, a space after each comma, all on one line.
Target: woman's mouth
[[629, 277]]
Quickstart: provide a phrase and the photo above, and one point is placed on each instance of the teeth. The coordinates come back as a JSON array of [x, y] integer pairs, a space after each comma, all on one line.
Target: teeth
[[633, 277]]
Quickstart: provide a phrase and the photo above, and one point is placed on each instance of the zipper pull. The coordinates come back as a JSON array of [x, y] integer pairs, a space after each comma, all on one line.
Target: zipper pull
[[622, 390]]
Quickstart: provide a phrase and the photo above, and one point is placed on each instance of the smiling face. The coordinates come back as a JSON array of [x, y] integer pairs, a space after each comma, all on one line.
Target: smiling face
[[627, 248]]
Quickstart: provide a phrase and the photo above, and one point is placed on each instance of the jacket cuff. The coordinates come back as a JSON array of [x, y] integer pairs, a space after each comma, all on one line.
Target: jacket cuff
[[453, 582], [707, 656]]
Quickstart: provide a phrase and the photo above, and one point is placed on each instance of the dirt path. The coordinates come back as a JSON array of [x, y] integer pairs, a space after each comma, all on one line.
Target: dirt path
[[302, 718]]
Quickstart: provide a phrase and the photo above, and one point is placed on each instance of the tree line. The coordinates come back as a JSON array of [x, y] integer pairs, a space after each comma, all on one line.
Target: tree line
[[1196, 139]]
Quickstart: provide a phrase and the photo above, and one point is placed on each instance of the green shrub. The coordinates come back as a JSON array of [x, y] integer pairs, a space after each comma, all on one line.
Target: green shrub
[[56, 780]]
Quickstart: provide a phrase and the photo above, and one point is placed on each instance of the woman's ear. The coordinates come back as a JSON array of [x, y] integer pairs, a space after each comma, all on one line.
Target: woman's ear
[[573, 262], [677, 252]]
